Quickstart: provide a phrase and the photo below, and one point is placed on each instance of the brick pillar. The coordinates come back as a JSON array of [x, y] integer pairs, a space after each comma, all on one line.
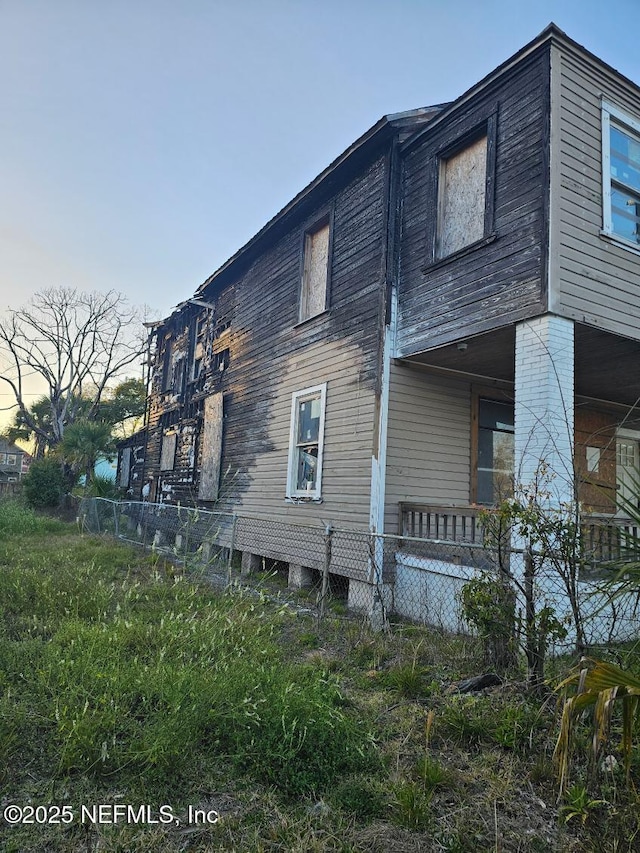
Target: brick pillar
[[544, 393]]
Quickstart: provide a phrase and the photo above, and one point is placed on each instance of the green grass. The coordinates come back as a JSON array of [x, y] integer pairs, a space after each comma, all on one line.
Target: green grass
[[121, 680], [129, 671]]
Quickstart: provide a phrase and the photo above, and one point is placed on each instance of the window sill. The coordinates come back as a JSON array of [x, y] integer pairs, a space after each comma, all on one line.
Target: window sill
[[307, 320], [454, 256], [303, 499], [634, 248]]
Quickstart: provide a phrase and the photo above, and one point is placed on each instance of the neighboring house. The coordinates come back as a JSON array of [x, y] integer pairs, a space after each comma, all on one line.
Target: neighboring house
[[14, 462], [452, 300]]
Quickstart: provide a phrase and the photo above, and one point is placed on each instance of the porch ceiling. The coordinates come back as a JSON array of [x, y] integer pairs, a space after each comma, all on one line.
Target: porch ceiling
[[607, 365]]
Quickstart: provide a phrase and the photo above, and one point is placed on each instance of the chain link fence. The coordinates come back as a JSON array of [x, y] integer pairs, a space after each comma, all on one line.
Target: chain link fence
[[383, 577]]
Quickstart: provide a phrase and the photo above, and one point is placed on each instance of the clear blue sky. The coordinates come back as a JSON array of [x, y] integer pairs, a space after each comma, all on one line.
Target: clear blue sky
[[142, 142]]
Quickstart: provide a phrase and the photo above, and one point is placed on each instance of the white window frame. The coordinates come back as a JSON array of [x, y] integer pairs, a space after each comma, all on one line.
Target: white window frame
[[631, 125], [293, 493]]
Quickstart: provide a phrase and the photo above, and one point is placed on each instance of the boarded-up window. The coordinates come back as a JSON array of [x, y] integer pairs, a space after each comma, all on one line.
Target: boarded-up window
[[461, 216], [125, 467], [168, 452], [313, 298], [595, 459], [209, 489]]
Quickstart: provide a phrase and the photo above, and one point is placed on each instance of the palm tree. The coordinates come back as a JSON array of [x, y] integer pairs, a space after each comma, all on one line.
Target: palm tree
[[598, 686], [83, 442]]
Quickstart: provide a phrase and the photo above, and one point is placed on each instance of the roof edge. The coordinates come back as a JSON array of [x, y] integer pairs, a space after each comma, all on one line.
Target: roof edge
[[385, 126]]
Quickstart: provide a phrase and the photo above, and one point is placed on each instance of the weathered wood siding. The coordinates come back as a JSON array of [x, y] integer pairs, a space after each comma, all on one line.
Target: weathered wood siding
[[503, 281], [348, 436], [429, 441], [270, 355], [273, 356], [593, 280]]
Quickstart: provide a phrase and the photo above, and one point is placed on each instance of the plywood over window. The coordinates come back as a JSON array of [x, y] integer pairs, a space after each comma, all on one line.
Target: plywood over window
[[125, 467], [313, 298], [595, 459], [168, 452], [209, 489], [463, 179]]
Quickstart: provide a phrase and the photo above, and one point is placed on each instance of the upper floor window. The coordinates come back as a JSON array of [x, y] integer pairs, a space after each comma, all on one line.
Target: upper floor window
[[621, 174], [306, 440], [465, 177], [315, 274]]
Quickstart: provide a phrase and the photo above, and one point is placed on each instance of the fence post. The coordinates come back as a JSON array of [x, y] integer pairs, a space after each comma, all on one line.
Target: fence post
[[378, 613], [115, 518], [231, 547], [328, 537]]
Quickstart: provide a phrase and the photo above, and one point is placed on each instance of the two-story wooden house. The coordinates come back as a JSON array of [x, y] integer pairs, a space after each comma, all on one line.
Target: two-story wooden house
[[452, 301]]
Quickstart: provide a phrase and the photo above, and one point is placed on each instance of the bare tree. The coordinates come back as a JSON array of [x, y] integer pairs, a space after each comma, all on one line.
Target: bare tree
[[77, 343]]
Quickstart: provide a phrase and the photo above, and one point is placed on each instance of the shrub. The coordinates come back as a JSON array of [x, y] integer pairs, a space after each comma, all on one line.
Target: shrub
[[488, 604], [44, 485], [103, 487]]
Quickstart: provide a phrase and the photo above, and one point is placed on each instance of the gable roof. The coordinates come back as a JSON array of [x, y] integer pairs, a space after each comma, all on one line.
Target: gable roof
[[551, 34]]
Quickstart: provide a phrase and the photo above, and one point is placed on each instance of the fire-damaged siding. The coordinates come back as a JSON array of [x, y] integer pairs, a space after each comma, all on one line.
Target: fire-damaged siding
[[193, 353], [251, 353], [500, 279], [278, 356], [131, 463]]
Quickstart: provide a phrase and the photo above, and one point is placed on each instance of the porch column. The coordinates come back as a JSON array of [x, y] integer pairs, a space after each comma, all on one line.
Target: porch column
[[544, 393]]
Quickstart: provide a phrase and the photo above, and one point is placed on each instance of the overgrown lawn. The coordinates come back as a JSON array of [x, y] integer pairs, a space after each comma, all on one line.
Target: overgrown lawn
[[125, 680]]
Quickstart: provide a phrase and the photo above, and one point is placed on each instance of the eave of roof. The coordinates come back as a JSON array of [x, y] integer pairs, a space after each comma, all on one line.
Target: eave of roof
[[381, 131], [401, 124], [551, 34]]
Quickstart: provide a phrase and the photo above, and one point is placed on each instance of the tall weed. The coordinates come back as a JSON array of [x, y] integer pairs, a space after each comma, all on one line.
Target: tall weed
[[134, 676]]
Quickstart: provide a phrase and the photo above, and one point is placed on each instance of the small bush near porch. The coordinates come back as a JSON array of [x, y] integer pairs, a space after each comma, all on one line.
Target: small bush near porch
[[126, 682]]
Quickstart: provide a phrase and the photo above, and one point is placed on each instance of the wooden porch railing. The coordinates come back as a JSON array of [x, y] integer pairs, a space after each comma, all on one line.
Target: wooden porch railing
[[605, 538], [444, 523]]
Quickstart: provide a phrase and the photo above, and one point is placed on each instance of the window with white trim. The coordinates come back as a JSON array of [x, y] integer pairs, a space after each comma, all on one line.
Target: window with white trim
[[621, 175], [306, 438]]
